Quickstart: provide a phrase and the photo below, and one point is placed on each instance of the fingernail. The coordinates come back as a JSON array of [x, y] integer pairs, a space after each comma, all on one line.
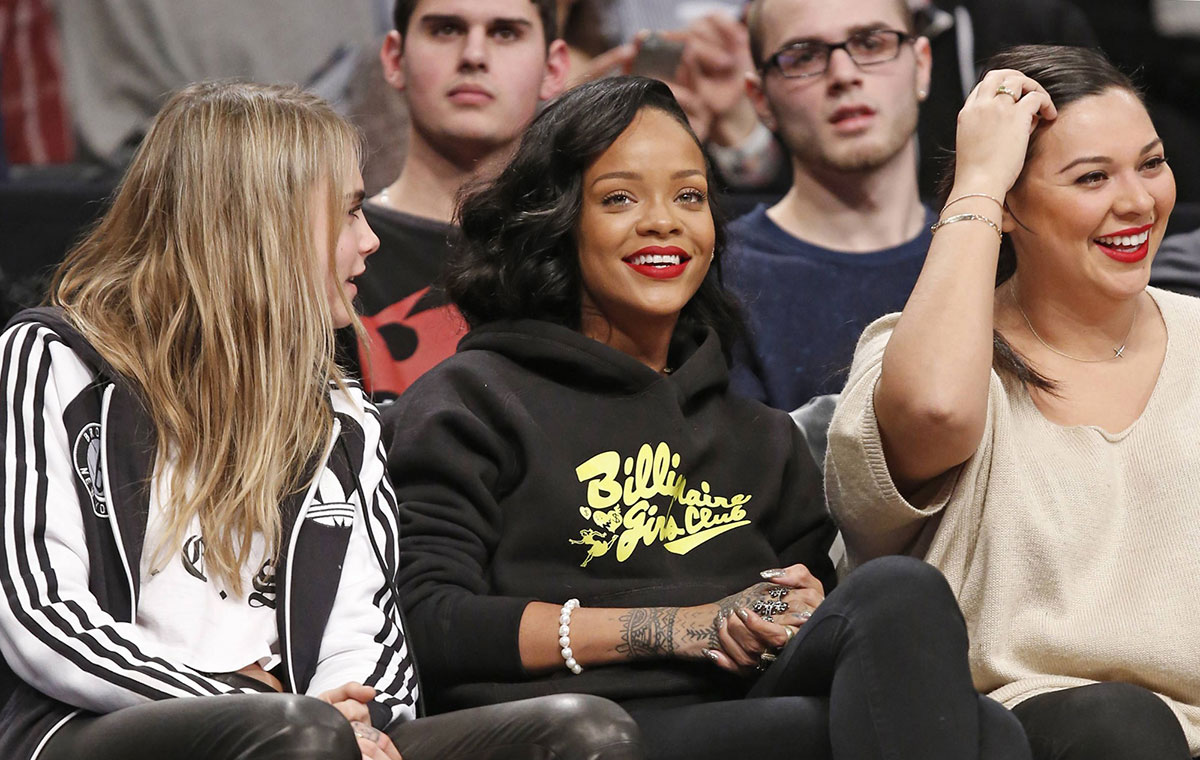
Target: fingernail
[[806, 615], [773, 573], [710, 654], [744, 613]]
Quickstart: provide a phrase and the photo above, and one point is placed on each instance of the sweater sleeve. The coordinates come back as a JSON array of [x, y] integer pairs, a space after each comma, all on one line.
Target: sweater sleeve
[[364, 640], [53, 632], [449, 465], [875, 519]]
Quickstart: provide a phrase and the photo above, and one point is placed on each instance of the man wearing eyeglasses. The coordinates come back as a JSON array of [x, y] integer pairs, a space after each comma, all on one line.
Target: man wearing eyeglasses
[[839, 82]]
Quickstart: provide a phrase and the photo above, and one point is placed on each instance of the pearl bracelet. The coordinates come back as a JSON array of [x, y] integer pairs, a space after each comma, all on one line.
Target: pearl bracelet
[[564, 635]]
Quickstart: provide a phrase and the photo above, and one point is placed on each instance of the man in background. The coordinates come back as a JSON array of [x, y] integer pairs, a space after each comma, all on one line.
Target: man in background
[[840, 83], [472, 73]]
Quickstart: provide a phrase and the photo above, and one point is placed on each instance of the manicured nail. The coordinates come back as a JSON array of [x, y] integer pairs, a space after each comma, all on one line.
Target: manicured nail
[[806, 615], [744, 613], [710, 654], [773, 573]]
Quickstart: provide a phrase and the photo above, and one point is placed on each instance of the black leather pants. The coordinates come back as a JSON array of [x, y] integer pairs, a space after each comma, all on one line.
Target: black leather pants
[[290, 727]]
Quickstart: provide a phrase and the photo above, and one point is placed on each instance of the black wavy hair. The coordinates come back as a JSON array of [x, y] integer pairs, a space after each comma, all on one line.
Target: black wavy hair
[[519, 258], [1068, 74]]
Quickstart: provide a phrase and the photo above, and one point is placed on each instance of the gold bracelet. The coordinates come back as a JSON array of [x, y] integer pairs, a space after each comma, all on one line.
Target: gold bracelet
[[967, 218], [964, 196]]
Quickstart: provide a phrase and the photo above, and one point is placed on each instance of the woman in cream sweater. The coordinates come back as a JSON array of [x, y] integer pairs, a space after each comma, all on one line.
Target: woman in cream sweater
[[1025, 424]]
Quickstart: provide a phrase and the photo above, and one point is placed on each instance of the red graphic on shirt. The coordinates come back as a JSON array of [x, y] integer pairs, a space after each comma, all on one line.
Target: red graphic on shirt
[[405, 345]]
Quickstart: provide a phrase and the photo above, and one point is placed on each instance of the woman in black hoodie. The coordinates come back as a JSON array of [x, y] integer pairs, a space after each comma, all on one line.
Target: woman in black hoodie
[[585, 507]]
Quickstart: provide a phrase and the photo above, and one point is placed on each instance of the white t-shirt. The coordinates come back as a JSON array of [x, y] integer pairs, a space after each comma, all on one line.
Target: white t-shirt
[[192, 617]]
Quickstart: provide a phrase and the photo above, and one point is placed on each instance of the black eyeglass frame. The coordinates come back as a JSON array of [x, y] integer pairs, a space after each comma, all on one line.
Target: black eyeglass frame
[[773, 61]]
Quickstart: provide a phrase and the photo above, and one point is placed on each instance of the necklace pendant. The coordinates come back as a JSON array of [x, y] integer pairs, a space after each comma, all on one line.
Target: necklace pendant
[[1119, 352]]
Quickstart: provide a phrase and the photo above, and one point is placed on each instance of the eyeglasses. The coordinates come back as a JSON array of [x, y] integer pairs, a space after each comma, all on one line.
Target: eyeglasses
[[810, 59]]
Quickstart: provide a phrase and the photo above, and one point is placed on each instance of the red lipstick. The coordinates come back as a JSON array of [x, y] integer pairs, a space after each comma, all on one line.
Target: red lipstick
[[1130, 253], [658, 262]]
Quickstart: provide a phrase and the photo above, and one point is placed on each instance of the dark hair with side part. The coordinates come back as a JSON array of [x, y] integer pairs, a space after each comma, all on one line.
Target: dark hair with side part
[[519, 257], [1068, 74], [547, 10], [754, 25]]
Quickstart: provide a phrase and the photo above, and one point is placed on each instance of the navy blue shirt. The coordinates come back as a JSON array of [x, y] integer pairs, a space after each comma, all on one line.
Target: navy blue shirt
[[805, 306]]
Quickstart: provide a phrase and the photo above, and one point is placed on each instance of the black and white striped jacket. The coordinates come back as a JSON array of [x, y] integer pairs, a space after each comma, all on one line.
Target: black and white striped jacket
[[76, 456]]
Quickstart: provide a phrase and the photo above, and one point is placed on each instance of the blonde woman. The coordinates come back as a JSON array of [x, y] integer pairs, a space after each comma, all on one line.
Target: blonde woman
[[195, 514]]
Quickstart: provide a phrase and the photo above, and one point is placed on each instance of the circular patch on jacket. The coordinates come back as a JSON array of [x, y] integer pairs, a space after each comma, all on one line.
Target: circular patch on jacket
[[87, 454]]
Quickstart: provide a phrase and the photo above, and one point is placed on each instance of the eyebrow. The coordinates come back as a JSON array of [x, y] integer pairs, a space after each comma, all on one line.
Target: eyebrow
[[873, 26], [434, 19], [1105, 159], [634, 175], [356, 197]]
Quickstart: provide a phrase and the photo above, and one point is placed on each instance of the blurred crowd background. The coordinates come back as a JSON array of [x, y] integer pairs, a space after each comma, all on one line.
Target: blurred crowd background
[[81, 79]]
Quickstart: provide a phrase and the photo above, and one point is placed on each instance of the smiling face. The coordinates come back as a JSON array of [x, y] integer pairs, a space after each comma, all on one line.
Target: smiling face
[[850, 118], [355, 242], [473, 71], [645, 232], [1092, 203]]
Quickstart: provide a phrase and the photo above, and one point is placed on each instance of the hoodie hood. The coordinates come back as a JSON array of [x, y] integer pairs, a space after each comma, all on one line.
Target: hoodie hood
[[573, 359]]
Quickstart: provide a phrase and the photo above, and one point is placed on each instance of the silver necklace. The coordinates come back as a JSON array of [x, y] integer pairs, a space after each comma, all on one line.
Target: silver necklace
[[1118, 352]]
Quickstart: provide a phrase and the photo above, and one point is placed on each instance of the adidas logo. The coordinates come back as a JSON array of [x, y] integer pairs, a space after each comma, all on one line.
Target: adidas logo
[[334, 515]]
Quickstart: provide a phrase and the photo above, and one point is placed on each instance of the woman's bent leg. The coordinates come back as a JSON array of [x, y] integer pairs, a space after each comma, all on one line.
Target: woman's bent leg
[[557, 727], [889, 647], [776, 728], [1102, 721], [232, 727], [1001, 735]]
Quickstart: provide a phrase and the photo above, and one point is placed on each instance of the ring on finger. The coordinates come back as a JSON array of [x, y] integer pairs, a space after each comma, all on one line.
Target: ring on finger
[[765, 659], [765, 609], [789, 632], [1006, 90]]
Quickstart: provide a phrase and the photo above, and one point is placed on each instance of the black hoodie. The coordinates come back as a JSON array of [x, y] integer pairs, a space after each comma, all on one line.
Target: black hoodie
[[537, 464]]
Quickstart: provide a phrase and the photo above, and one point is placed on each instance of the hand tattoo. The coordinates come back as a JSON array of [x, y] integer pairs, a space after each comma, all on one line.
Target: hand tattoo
[[363, 731], [732, 603]]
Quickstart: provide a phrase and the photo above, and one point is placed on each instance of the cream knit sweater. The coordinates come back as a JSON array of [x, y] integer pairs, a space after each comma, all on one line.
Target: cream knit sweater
[[1074, 553]]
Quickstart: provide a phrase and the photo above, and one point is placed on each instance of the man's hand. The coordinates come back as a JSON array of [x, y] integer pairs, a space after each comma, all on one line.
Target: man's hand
[[716, 60]]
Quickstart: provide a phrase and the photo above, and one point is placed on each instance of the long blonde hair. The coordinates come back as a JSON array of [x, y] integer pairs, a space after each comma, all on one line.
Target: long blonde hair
[[202, 285]]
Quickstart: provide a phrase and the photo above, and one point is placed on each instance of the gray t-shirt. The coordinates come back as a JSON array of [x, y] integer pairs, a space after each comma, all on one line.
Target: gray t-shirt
[[123, 57]]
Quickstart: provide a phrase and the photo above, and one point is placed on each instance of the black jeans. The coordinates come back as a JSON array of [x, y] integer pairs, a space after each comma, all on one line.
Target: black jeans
[[290, 727], [1103, 721], [879, 671]]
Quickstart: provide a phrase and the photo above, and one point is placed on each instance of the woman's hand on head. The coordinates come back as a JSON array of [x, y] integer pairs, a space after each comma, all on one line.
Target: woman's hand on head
[[994, 128], [744, 635]]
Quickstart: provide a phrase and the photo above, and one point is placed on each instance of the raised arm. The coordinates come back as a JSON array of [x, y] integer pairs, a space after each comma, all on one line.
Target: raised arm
[[931, 398]]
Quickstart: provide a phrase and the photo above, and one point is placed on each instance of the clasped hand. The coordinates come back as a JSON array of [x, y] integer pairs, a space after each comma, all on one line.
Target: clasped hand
[[740, 635]]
